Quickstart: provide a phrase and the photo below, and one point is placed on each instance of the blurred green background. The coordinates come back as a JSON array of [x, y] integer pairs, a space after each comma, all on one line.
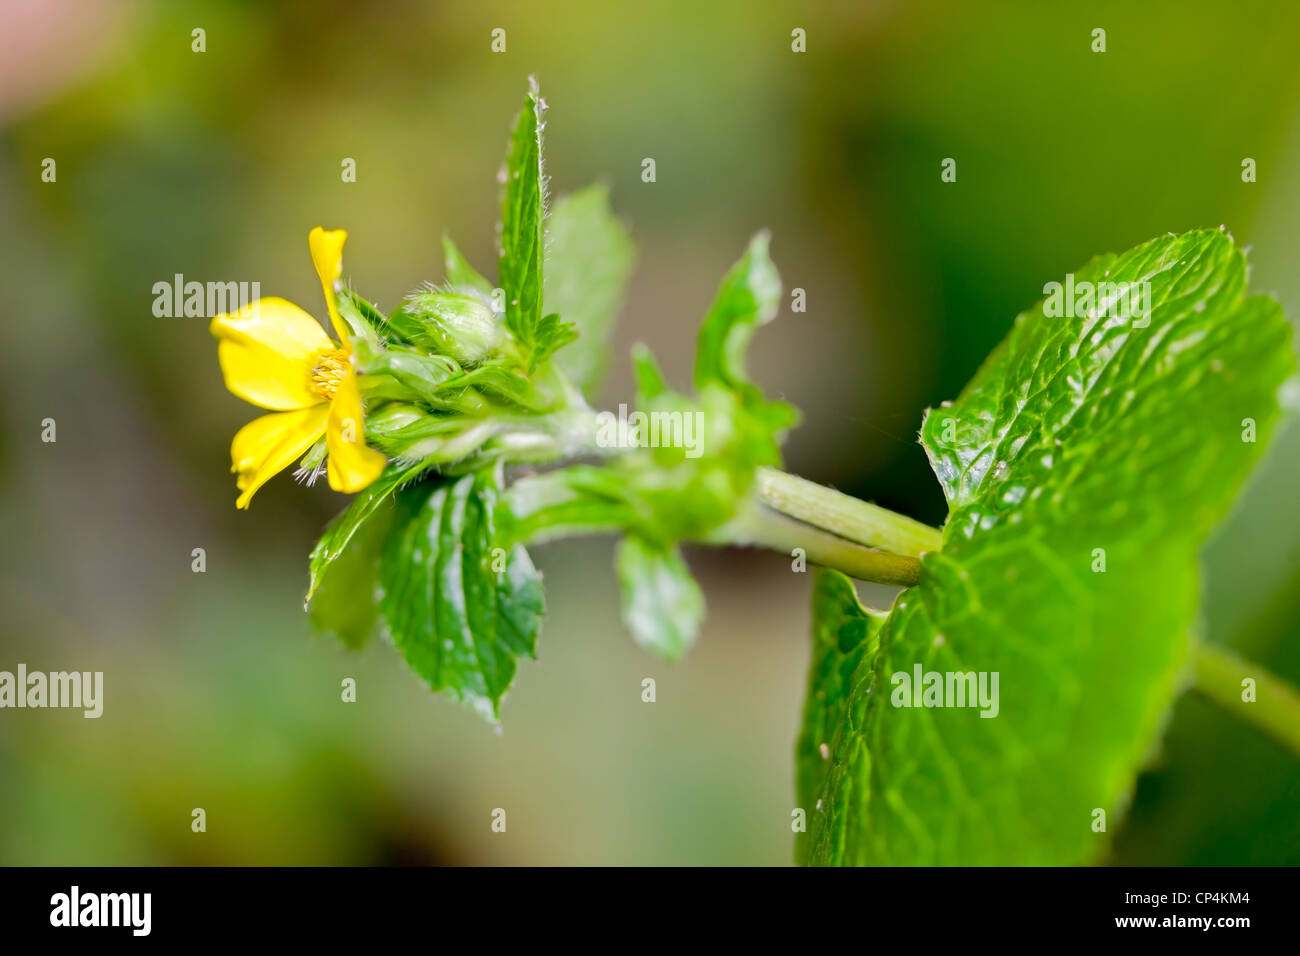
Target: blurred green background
[[216, 165]]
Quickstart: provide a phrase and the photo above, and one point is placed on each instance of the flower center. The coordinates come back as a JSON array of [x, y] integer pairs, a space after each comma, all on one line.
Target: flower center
[[327, 372]]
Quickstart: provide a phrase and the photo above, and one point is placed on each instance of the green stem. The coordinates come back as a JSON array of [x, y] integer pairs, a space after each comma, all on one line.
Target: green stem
[[760, 525], [1276, 707], [843, 515]]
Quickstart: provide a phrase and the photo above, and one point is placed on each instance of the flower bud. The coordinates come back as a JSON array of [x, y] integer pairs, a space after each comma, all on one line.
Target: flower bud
[[450, 323]]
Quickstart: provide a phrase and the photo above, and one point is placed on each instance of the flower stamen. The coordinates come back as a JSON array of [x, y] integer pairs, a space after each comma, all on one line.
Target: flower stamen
[[327, 371]]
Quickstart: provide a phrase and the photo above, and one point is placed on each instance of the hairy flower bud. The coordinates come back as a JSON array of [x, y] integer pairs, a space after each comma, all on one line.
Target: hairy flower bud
[[450, 323]]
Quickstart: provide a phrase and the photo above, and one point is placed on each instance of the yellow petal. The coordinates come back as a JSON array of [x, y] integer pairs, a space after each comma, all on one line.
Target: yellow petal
[[266, 352], [352, 465], [268, 445], [327, 256]]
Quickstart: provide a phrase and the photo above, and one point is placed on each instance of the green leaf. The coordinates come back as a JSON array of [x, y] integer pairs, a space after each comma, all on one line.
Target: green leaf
[[1080, 440], [553, 333], [522, 212], [505, 382], [662, 603], [846, 637], [578, 499], [412, 435], [686, 487], [344, 598], [419, 377], [460, 274], [650, 383], [337, 537], [458, 605], [748, 297], [589, 259], [683, 487], [364, 319]]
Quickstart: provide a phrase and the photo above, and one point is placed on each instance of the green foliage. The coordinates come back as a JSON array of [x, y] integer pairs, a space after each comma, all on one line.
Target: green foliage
[[673, 493], [553, 333], [411, 373], [363, 319], [460, 274], [589, 260], [1083, 466], [1080, 441], [523, 207], [344, 569], [662, 604], [454, 389], [460, 608], [749, 297], [333, 544], [684, 492], [846, 637], [423, 559]]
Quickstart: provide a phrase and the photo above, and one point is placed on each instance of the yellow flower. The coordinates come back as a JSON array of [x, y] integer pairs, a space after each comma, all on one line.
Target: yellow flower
[[275, 355]]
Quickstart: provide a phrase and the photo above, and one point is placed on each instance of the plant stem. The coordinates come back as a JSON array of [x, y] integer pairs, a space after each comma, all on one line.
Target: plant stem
[[843, 515], [1276, 707], [761, 526]]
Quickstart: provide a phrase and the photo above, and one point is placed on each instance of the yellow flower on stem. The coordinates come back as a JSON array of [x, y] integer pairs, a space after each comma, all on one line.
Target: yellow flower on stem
[[275, 355]]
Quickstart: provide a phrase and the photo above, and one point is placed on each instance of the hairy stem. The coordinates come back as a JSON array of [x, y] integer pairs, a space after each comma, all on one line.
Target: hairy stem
[[843, 515], [1275, 709]]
